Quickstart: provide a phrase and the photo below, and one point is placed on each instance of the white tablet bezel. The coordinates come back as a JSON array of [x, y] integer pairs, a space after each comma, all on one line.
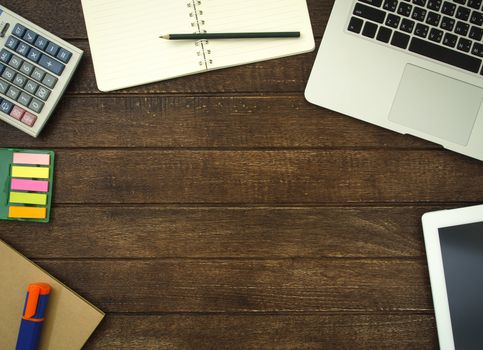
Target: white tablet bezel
[[432, 222]]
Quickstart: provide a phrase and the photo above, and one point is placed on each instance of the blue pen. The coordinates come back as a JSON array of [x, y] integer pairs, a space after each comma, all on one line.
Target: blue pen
[[33, 316]]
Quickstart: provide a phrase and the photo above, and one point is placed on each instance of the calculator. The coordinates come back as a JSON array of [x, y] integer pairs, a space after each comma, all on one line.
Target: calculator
[[35, 69]]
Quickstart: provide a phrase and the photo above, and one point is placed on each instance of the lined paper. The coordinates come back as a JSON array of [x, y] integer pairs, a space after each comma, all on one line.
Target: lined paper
[[127, 51], [256, 16], [125, 44]]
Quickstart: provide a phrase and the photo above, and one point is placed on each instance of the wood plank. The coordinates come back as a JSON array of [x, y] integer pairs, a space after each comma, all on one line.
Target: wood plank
[[153, 232], [268, 177], [241, 285], [266, 332], [203, 122], [49, 14], [289, 74]]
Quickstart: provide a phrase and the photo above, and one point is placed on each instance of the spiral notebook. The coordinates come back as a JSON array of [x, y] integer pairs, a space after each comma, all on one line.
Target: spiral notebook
[[127, 51]]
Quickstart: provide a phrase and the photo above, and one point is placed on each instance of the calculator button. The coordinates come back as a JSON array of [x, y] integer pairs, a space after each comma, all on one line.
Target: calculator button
[[13, 93], [36, 105], [41, 43], [38, 74], [64, 55], [6, 106], [3, 87], [34, 55], [19, 30], [31, 86], [52, 49], [8, 74], [24, 99], [15, 62], [49, 81], [20, 80], [5, 56], [51, 65], [43, 93], [23, 49], [12, 43], [27, 68], [17, 112], [30, 36], [29, 119]]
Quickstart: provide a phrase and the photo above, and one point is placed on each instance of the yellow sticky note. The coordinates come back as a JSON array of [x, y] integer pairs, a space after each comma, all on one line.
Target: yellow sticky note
[[30, 172], [28, 198]]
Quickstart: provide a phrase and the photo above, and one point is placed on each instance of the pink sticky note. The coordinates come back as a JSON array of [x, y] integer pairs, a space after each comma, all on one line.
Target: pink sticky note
[[31, 158], [30, 185]]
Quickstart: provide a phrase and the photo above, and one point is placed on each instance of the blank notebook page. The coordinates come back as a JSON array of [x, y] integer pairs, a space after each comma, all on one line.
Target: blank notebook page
[[125, 44], [256, 16]]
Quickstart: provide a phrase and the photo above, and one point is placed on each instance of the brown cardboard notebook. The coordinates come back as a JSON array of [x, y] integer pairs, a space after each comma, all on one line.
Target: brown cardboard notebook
[[70, 319]]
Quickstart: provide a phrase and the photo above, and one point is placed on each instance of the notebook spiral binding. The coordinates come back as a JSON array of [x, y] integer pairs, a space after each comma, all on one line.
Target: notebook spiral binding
[[198, 24]]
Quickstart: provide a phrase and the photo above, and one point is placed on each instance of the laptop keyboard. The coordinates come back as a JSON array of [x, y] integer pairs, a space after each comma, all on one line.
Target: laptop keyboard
[[450, 32]]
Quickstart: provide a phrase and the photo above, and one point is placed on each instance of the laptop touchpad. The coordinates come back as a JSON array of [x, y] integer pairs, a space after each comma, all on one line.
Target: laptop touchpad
[[436, 105]]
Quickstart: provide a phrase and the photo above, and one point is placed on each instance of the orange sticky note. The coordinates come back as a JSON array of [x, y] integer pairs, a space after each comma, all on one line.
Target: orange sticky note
[[27, 213]]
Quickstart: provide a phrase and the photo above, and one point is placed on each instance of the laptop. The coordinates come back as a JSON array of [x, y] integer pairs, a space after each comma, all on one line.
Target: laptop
[[411, 66]]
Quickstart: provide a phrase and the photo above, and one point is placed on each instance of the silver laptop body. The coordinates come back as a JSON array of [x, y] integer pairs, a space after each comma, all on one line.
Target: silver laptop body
[[400, 77]]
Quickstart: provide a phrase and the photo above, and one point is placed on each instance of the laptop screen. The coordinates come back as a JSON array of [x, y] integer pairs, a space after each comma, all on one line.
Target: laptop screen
[[462, 252]]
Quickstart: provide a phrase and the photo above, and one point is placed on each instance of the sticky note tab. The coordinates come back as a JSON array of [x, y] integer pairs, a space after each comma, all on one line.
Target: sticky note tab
[[31, 158], [28, 198], [27, 213], [29, 185], [30, 172]]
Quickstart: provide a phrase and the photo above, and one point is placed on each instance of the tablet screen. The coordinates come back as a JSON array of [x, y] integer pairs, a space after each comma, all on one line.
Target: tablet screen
[[462, 252]]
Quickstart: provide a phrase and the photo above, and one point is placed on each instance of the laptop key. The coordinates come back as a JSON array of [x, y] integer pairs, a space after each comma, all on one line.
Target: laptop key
[[419, 14], [448, 8], [445, 55], [434, 5], [447, 23], [419, 2], [477, 50], [474, 4], [369, 29], [393, 21], [476, 33], [476, 18], [355, 25], [433, 18], [450, 40], [463, 13], [369, 13], [435, 35], [407, 25], [390, 5], [421, 30], [400, 40], [461, 28], [376, 3], [464, 45], [404, 9], [384, 34]]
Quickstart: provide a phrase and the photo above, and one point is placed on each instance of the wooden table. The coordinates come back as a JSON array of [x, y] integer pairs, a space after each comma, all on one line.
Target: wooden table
[[223, 211]]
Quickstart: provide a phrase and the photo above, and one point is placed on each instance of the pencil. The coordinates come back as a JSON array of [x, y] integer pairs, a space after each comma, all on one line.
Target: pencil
[[205, 36]]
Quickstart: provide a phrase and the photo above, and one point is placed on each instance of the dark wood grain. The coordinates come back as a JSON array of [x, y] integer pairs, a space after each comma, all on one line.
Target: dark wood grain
[[234, 332], [223, 211], [153, 232], [267, 177], [243, 122], [249, 285]]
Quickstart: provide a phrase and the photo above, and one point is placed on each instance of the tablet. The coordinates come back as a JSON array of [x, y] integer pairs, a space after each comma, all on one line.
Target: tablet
[[454, 248]]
